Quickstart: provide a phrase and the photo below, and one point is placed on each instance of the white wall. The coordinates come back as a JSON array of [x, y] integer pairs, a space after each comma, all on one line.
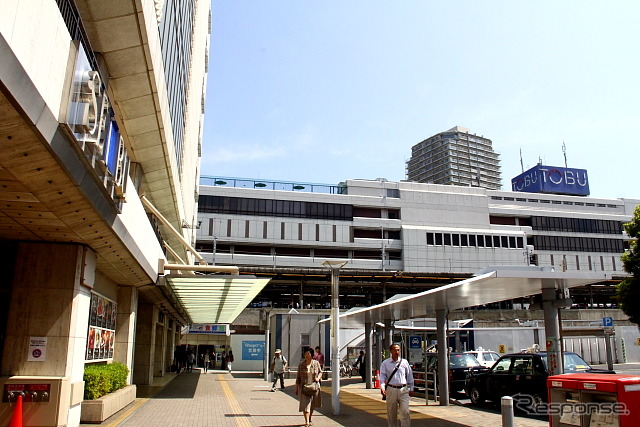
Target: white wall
[[244, 354]]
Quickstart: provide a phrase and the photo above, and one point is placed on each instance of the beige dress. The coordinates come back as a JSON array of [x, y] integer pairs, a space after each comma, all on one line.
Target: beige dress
[[306, 375]]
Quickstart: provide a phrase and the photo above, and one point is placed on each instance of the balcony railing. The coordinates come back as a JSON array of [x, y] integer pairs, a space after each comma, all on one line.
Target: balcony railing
[[263, 184]]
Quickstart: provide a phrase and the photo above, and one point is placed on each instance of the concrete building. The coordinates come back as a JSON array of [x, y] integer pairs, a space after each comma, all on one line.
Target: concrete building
[[455, 157], [404, 238], [100, 103], [401, 237]]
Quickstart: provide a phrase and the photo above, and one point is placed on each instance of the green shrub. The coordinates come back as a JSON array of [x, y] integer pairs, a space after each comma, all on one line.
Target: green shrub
[[104, 379]]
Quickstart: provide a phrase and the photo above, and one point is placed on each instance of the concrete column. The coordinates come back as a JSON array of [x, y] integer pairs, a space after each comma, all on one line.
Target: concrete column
[[160, 349], [443, 357], [144, 344], [126, 327], [369, 355], [552, 331], [171, 346], [51, 294]]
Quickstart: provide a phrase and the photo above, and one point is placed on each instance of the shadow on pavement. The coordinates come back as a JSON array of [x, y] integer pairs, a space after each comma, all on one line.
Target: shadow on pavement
[[359, 411], [183, 386]]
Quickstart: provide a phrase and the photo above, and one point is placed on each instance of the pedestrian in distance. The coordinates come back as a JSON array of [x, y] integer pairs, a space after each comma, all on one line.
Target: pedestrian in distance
[[278, 368], [191, 359], [229, 360], [207, 360], [361, 364], [308, 386], [223, 361], [396, 386], [319, 357]]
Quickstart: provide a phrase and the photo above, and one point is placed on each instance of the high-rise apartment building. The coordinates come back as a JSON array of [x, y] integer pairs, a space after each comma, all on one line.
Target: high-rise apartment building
[[101, 114], [455, 157]]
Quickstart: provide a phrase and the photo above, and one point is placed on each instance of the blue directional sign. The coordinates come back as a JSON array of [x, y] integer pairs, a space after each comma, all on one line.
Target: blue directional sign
[[415, 341], [607, 321]]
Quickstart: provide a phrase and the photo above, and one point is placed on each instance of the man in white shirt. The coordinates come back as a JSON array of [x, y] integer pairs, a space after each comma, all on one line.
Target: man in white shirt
[[396, 385], [278, 367]]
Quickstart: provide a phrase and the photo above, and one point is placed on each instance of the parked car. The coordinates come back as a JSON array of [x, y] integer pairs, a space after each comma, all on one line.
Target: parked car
[[459, 366], [522, 375], [485, 357]]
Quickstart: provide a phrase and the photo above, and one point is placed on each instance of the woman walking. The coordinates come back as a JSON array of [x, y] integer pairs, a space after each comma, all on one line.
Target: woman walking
[[308, 386], [207, 359]]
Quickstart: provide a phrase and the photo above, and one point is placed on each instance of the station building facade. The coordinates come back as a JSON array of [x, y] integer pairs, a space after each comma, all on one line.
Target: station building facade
[[101, 110], [404, 234]]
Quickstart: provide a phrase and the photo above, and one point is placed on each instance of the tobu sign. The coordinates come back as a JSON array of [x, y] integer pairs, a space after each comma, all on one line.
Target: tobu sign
[[552, 180]]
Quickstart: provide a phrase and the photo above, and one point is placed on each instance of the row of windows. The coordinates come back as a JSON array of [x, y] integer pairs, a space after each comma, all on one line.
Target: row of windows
[[278, 208], [576, 225], [175, 32], [295, 251], [555, 202], [475, 240], [577, 244]]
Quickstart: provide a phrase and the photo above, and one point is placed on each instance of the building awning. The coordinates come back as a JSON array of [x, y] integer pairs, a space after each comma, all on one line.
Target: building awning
[[214, 298], [491, 285]]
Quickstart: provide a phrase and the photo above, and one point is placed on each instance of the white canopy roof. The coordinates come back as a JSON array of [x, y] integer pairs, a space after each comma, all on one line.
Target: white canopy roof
[[215, 299], [490, 285]]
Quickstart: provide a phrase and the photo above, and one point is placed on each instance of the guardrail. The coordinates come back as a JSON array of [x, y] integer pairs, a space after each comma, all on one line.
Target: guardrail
[[427, 384]]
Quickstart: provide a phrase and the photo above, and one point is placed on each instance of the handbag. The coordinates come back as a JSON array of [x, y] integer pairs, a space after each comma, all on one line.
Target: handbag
[[310, 389]]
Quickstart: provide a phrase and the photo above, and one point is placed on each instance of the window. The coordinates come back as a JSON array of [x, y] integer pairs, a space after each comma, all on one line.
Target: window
[[305, 340], [438, 238], [502, 366], [431, 239]]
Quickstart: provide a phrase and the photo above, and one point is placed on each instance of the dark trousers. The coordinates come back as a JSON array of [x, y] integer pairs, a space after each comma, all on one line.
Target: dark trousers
[[275, 379]]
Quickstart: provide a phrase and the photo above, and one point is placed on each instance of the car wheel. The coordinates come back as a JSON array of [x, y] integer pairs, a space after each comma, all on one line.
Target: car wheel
[[476, 397]]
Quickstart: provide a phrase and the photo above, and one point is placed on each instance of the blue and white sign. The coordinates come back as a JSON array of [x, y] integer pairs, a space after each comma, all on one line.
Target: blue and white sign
[[607, 321], [415, 341], [552, 180], [252, 350]]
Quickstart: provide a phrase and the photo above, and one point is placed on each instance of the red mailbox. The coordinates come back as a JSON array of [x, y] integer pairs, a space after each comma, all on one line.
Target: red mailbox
[[594, 400]]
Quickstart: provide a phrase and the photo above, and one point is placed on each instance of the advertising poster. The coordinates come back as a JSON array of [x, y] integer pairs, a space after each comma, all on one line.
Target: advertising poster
[[102, 325]]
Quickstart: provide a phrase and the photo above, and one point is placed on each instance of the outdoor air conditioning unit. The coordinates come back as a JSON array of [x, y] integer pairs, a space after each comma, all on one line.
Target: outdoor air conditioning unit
[[85, 112]]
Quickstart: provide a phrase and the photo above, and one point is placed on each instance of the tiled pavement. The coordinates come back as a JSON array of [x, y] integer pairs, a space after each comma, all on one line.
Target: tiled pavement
[[218, 398]]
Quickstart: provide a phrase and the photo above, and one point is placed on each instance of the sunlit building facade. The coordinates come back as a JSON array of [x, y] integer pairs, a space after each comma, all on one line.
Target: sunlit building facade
[[455, 157], [101, 111]]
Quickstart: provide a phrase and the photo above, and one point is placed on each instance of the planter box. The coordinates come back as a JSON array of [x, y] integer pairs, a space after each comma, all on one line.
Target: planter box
[[96, 411]]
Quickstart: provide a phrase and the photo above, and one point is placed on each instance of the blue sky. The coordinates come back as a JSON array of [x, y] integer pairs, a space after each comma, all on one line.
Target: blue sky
[[327, 91]]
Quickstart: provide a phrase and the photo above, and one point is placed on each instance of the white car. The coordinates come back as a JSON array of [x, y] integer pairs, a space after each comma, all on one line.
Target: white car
[[485, 357]]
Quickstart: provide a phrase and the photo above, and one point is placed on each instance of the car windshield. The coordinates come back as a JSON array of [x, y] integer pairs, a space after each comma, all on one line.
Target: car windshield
[[572, 363], [463, 361]]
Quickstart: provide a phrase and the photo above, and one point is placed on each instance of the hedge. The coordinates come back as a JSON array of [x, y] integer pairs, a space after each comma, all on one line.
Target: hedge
[[104, 379]]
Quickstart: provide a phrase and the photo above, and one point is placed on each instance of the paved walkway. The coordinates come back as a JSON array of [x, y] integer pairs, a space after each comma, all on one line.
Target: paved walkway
[[218, 398]]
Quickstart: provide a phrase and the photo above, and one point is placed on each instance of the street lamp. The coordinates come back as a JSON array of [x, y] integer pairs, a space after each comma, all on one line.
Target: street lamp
[[335, 267]]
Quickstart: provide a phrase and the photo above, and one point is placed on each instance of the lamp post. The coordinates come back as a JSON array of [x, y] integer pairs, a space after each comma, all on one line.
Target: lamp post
[[335, 267]]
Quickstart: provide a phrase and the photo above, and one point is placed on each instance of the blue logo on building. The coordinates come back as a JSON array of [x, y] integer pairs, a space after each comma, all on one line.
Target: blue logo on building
[[552, 180]]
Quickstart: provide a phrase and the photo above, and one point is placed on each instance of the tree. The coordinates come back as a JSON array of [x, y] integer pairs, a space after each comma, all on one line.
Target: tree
[[628, 291]]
